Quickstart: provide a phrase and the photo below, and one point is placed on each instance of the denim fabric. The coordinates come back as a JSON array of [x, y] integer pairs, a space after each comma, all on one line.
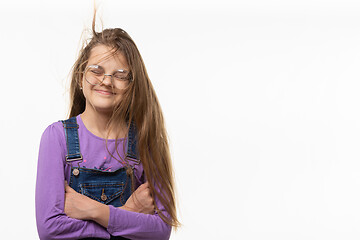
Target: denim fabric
[[72, 140], [110, 188], [131, 149]]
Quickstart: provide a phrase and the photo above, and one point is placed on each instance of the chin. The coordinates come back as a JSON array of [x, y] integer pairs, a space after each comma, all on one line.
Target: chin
[[103, 107], [99, 105], [104, 110]]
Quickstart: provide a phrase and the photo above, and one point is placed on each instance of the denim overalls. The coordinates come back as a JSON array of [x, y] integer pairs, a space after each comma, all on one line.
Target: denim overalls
[[110, 188]]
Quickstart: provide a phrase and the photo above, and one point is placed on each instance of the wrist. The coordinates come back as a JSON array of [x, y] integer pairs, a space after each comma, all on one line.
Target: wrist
[[126, 208], [98, 211], [100, 214]]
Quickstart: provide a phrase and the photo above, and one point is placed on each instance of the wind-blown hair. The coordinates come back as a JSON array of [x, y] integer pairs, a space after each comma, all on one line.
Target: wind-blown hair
[[139, 104]]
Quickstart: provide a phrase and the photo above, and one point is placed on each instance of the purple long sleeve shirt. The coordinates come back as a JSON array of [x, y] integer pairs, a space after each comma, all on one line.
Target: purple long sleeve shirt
[[52, 223]]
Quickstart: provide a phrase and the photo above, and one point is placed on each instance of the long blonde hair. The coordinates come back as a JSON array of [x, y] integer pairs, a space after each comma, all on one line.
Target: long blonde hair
[[139, 104]]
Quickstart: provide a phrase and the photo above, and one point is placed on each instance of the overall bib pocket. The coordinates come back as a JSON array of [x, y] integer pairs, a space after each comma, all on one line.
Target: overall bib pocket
[[110, 188]]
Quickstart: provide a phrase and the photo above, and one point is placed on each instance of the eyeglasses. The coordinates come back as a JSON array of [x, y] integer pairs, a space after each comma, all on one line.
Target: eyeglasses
[[95, 75]]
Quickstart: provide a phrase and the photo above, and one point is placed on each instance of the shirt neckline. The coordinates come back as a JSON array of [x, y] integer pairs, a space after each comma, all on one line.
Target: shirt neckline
[[82, 125]]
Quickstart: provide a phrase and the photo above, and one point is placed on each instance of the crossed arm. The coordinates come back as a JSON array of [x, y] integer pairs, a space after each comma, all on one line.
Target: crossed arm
[[70, 215], [81, 207]]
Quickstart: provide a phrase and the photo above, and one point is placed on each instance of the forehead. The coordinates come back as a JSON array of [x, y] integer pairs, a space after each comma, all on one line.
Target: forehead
[[106, 57]]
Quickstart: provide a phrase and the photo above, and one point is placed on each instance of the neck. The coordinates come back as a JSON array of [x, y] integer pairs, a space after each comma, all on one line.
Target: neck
[[97, 123]]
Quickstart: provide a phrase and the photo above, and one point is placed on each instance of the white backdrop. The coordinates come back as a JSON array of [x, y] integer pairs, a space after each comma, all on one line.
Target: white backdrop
[[261, 101]]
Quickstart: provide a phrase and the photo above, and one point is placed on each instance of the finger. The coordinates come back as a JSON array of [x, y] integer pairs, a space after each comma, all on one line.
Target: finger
[[145, 185], [142, 187], [147, 191]]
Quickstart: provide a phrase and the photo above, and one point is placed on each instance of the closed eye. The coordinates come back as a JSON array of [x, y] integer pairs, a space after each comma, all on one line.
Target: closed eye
[[121, 75], [96, 72]]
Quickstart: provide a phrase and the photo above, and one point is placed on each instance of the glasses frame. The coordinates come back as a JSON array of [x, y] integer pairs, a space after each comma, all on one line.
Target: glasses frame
[[129, 77]]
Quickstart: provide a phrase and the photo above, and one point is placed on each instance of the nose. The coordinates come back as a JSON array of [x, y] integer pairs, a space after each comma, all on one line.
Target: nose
[[107, 79]]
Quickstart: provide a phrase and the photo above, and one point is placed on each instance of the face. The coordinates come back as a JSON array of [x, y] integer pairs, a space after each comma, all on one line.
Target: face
[[105, 95]]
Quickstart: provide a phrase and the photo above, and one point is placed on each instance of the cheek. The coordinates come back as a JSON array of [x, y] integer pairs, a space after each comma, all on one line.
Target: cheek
[[82, 84], [87, 91], [118, 98], [120, 86]]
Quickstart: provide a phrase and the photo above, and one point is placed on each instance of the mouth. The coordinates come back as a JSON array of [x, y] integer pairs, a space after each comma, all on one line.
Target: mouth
[[105, 92]]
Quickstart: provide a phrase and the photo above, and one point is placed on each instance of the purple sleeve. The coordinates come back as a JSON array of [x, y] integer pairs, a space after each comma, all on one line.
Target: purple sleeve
[[138, 225], [52, 223]]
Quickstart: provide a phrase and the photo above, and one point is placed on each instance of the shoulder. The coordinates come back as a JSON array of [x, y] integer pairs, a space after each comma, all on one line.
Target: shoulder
[[52, 144], [54, 133]]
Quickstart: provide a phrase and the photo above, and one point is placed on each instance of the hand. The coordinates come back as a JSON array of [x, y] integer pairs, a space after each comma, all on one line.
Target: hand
[[141, 200], [79, 206]]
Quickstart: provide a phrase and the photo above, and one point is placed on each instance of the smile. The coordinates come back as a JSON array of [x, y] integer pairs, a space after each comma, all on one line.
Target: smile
[[104, 92]]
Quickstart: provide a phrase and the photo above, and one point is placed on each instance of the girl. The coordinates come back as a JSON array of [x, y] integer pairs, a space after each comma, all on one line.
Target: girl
[[106, 171]]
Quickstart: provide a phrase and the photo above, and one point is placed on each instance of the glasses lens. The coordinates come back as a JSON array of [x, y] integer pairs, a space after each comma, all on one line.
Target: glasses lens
[[121, 75], [94, 75]]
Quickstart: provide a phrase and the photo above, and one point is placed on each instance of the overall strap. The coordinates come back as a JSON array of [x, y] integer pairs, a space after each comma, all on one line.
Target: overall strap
[[131, 147], [72, 140]]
